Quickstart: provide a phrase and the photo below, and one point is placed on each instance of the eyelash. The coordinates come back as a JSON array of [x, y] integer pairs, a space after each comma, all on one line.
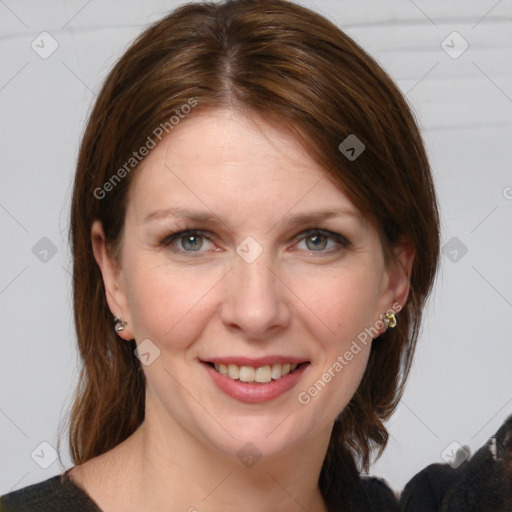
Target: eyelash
[[340, 239]]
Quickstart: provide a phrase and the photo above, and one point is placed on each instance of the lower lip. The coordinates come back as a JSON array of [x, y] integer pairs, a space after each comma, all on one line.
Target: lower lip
[[252, 392]]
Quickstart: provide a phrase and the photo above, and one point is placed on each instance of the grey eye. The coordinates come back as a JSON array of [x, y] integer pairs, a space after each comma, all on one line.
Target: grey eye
[[316, 242], [192, 242]]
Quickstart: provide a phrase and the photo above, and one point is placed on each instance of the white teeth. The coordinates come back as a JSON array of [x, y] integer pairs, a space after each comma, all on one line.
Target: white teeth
[[233, 371], [276, 371], [246, 374], [261, 374]]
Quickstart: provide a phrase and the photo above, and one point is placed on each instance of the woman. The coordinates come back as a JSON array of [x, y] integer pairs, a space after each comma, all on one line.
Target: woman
[[254, 208]]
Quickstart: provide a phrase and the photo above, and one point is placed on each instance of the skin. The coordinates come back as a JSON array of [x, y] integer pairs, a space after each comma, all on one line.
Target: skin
[[292, 300]]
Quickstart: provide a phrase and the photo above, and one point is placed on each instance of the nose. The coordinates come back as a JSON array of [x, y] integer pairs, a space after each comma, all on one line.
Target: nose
[[255, 302]]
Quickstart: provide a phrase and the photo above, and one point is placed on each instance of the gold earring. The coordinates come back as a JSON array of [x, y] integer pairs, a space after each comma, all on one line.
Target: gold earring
[[119, 324], [390, 319]]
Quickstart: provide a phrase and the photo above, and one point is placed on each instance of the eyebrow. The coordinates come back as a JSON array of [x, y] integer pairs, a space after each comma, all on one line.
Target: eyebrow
[[183, 213], [288, 220], [319, 216]]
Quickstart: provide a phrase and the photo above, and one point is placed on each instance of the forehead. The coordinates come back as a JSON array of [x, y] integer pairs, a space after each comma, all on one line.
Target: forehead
[[220, 159]]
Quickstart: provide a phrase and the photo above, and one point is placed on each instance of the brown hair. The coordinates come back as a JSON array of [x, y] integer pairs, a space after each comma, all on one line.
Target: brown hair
[[284, 62]]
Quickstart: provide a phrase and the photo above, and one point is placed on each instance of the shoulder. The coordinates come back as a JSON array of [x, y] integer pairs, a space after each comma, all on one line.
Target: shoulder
[[376, 495], [57, 493], [346, 487], [482, 482]]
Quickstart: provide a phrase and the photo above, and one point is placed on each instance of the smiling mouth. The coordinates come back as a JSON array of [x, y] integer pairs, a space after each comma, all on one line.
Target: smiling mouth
[[261, 374]]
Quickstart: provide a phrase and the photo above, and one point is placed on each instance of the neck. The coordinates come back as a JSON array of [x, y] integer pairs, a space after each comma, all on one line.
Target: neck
[[172, 471]]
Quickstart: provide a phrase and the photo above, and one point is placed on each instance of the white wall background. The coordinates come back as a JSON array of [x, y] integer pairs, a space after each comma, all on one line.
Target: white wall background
[[461, 384]]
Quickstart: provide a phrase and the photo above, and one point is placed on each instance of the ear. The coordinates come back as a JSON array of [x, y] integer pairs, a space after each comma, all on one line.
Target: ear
[[111, 273], [399, 271], [397, 280]]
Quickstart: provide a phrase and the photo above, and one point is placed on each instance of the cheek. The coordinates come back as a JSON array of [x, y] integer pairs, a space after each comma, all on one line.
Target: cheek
[[169, 305], [343, 305], [343, 302]]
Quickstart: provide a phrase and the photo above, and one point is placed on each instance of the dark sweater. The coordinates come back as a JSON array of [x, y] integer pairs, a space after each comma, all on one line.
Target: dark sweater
[[57, 494], [480, 484], [61, 494]]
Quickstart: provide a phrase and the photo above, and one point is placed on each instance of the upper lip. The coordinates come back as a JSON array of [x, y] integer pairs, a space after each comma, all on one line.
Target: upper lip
[[255, 362]]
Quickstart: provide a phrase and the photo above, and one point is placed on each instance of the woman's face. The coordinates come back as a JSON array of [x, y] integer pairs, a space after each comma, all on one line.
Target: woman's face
[[277, 279]]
